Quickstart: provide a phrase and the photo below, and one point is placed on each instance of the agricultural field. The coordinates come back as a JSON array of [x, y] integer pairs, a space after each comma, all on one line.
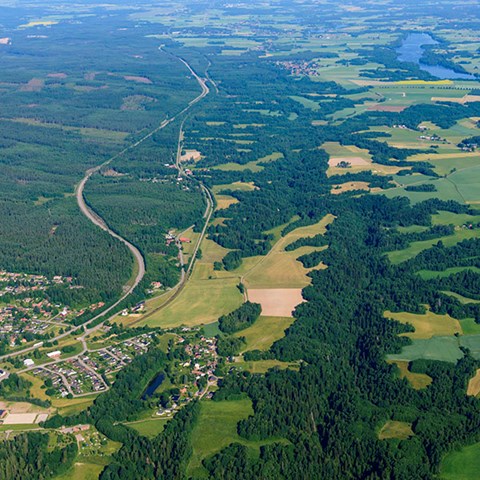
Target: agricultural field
[[264, 332], [462, 464], [150, 427], [280, 268], [428, 325], [417, 380], [217, 428]]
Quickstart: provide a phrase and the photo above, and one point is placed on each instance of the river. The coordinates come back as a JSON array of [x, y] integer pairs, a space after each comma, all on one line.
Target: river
[[411, 50]]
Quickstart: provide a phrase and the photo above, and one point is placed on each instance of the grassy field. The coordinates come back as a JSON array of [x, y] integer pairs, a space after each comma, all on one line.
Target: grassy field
[[262, 366], [397, 430], [264, 332], [428, 325], [241, 186], [279, 268], [150, 427], [462, 464], [473, 388], [417, 380], [445, 349], [216, 429], [429, 274], [415, 248], [470, 327], [201, 302], [82, 471]]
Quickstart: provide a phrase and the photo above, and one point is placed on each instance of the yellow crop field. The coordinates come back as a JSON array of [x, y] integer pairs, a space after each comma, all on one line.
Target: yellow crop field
[[427, 325]]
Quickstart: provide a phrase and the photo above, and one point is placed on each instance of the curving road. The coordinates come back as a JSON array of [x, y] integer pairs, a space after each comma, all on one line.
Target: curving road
[[100, 222]]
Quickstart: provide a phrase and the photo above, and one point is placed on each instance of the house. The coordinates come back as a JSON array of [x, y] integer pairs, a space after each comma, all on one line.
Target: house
[[28, 362], [55, 354], [185, 240]]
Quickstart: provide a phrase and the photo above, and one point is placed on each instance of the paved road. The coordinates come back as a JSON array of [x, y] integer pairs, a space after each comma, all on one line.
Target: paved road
[[97, 220]]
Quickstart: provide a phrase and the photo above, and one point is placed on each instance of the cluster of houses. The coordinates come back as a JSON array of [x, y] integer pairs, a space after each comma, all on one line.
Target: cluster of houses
[[200, 369], [29, 320], [72, 377], [432, 138], [19, 283], [301, 67], [86, 373]]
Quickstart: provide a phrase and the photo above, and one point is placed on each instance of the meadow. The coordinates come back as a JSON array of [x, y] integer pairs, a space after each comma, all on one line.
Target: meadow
[[217, 428], [264, 332], [462, 464]]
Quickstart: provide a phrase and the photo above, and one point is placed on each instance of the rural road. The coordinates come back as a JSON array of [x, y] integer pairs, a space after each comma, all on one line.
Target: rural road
[[98, 221]]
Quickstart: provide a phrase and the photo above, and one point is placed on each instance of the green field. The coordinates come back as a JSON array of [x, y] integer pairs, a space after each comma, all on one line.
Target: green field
[[82, 471], [444, 349], [264, 332], [415, 248], [429, 274], [463, 464], [150, 427], [201, 302], [217, 428]]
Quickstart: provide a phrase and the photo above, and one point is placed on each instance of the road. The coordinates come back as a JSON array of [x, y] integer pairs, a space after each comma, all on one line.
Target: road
[[100, 222]]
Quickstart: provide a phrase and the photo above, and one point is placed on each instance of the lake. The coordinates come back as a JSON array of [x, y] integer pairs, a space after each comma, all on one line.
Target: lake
[[153, 385], [411, 50]]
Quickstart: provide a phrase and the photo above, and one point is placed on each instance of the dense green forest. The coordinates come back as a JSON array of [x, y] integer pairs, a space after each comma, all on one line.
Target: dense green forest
[[87, 90]]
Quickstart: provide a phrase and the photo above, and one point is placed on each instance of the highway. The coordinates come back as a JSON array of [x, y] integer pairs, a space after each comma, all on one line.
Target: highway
[[100, 222]]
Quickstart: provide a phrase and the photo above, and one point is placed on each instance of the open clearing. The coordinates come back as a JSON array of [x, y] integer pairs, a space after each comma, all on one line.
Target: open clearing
[[201, 302], [276, 302], [82, 471], [349, 187], [415, 248], [216, 429], [150, 427], [462, 464], [427, 325], [281, 269], [262, 366], [264, 332], [444, 349], [354, 161], [473, 388], [22, 418], [397, 430], [417, 380]]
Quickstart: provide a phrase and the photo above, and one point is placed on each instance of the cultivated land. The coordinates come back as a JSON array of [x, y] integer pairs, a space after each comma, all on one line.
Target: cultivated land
[[52, 110], [417, 380], [427, 325], [463, 464], [264, 332]]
